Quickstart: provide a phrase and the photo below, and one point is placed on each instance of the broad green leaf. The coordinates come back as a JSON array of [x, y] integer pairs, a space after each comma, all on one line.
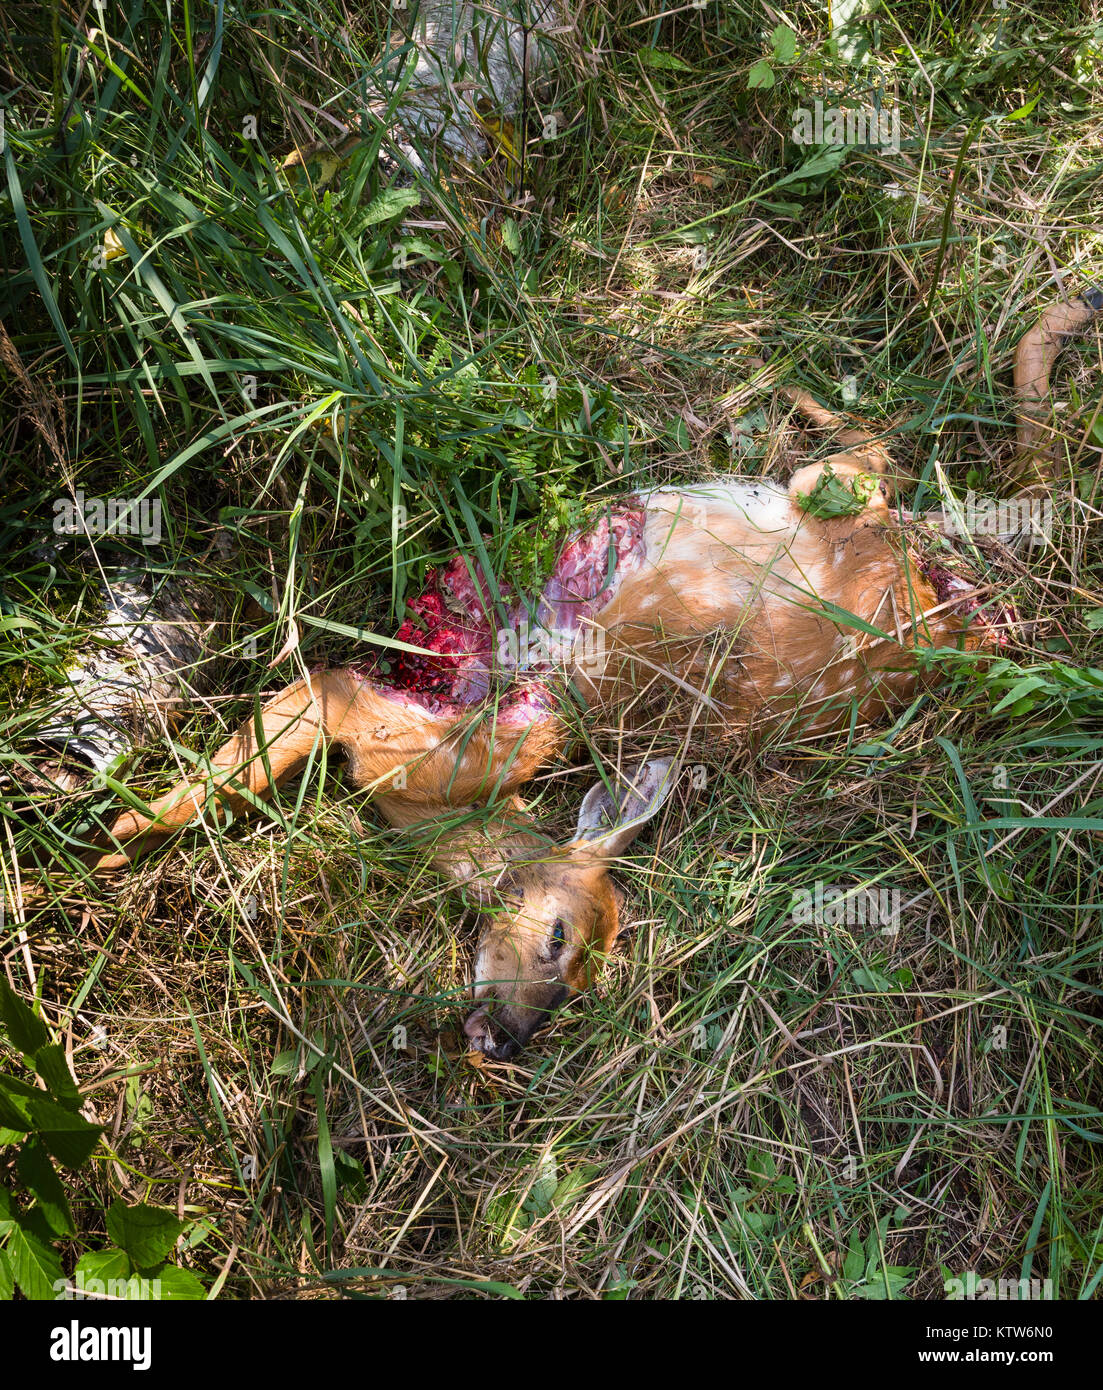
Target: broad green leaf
[[833, 496], [25, 1029], [573, 1184], [883, 1284], [511, 236], [52, 1065], [851, 38], [146, 1233], [542, 1191], [759, 1223], [760, 75], [784, 43], [326, 1167], [285, 1063], [7, 1278], [101, 1265], [679, 432], [873, 982], [656, 58], [35, 1264], [392, 202], [1018, 690], [178, 1284], [105, 1271], [38, 1176], [8, 1210], [855, 1263], [71, 1139]]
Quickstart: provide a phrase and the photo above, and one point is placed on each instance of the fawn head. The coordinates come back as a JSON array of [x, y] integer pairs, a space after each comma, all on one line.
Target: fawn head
[[559, 914]]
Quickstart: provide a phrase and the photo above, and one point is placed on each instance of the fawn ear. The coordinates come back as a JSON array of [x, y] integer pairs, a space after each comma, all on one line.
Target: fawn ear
[[609, 820]]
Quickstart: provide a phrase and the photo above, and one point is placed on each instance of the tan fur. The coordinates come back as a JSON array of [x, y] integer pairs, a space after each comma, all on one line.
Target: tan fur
[[745, 608], [780, 599], [1034, 358]]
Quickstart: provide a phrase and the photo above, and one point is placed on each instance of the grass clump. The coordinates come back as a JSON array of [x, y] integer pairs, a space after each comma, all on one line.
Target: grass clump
[[329, 388]]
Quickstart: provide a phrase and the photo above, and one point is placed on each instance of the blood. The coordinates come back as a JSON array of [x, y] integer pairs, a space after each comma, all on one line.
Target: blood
[[996, 620], [588, 567], [454, 623]]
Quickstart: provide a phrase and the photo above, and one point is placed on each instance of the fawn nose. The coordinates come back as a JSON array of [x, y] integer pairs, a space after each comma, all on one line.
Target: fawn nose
[[480, 1033]]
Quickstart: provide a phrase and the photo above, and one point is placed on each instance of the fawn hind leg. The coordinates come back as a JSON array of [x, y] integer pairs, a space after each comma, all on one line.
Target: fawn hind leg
[[301, 718], [863, 454]]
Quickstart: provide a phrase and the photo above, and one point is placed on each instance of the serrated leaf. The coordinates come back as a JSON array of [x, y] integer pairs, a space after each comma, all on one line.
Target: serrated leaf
[[760, 75], [35, 1265], [101, 1266], [784, 43], [7, 1278], [71, 1139], [25, 1029], [8, 1211], [111, 1271], [179, 1284], [146, 1233], [38, 1176], [52, 1065]]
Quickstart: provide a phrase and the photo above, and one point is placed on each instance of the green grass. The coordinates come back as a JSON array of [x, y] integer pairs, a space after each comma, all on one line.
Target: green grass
[[747, 1106]]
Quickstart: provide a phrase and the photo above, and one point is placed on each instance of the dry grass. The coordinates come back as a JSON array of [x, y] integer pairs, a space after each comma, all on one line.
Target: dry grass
[[745, 1100]]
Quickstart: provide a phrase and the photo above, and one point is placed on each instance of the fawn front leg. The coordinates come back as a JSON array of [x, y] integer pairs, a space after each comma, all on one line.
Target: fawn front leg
[[301, 718]]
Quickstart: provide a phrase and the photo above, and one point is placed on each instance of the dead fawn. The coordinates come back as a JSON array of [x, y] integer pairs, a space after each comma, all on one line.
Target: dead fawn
[[733, 604]]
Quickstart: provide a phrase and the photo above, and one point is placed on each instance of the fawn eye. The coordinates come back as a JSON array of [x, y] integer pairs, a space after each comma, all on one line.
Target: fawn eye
[[558, 936]]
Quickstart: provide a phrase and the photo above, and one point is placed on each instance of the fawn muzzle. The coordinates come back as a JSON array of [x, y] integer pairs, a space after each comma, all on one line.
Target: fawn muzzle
[[499, 1029]]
